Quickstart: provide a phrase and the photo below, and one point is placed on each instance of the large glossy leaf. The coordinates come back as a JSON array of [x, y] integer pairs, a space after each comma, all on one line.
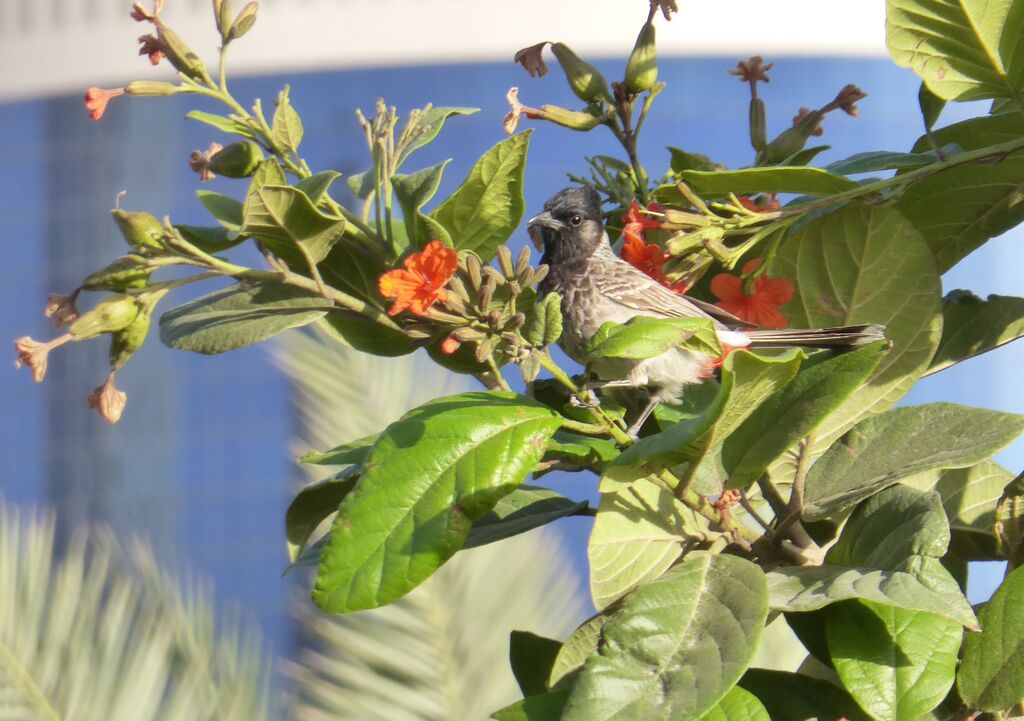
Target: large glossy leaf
[[575, 652], [636, 537], [645, 337], [522, 510], [803, 180], [427, 478], [962, 49], [737, 705], [287, 222], [672, 648], [899, 443], [890, 527], [972, 326], [959, 209], [531, 657], [795, 697], [482, 213], [808, 588], [343, 455], [799, 408], [836, 263], [897, 664], [992, 676], [238, 316]]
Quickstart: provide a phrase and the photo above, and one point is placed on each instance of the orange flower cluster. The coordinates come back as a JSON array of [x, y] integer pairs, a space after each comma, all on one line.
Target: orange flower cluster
[[647, 257], [421, 283], [754, 206], [762, 306]]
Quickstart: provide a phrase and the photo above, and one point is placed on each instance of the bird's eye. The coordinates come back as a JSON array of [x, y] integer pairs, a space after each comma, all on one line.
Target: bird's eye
[[576, 220]]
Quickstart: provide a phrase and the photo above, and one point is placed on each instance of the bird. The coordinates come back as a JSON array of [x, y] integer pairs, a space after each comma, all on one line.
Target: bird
[[597, 287]]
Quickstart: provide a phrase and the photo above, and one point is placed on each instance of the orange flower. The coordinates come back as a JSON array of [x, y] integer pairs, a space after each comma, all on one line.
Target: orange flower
[[96, 100], [647, 257], [450, 344], [762, 307], [422, 282], [762, 207]]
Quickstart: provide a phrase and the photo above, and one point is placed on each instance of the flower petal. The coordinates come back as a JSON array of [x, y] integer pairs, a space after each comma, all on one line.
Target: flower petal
[[728, 288]]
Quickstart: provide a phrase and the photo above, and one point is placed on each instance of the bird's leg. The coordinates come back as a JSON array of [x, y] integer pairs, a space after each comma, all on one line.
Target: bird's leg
[[634, 430], [590, 399]]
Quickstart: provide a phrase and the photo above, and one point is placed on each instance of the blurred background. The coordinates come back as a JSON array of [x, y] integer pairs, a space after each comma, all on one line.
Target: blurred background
[[201, 466]]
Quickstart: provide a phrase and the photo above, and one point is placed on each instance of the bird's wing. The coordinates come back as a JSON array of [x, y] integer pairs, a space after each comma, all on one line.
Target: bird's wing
[[631, 287]]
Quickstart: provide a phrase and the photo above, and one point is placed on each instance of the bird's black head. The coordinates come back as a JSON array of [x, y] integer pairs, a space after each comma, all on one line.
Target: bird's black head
[[570, 227]]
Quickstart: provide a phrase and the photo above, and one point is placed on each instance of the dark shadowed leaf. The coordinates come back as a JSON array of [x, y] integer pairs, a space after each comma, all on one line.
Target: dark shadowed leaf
[[532, 657], [972, 326], [522, 510], [312, 505], [795, 697], [544, 707]]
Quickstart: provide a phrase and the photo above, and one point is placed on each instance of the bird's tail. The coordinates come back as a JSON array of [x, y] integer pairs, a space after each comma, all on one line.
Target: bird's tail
[[846, 336]]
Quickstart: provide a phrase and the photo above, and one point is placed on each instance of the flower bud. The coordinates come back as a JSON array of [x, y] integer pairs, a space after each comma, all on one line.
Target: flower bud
[[493, 274], [151, 88], [790, 141], [222, 12], [572, 119], [178, 53], [523, 263], [244, 22], [677, 219], [758, 136], [505, 261], [584, 79], [128, 271], [483, 350], [124, 343], [642, 67], [467, 333], [237, 160], [450, 345], [140, 230], [473, 271], [110, 315]]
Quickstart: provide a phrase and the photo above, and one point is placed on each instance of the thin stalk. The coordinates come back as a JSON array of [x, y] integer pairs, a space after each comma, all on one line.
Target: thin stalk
[[502, 383]]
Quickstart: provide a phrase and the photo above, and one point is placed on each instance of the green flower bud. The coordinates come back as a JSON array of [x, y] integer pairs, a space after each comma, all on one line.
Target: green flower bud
[[124, 343], [178, 53], [792, 140], [238, 160], [572, 119], [140, 230], [110, 315], [758, 136], [642, 67], [222, 12], [244, 22], [128, 271], [584, 79], [151, 88]]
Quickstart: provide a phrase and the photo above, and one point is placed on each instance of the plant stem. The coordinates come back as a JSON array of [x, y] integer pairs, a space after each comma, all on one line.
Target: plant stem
[[602, 418], [502, 383]]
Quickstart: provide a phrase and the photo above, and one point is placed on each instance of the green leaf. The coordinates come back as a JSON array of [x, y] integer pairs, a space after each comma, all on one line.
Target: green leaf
[[972, 326], [366, 335], [287, 222], [805, 156], [351, 453], [426, 479], [902, 442], [785, 179], [645, 337], [793, 413], [931, 106], [575, 651], [834, 262], [312, 505], [317, 184], [413, 192], [890, 527], [876, 160], [970, 495], [897, 664], [962, 49], [795, 697], [685, 160], [808, 588], [484, 211], [737, 705], [584, 451], [990, 677], [212, 240], [286, 127], [221, 123], [959, 209], [270, 172], [543, 707], [225, 210], [636, 537], [673, 648], [429, 125], [544, 321], [238, 316], [522, 510], [361, 184], [532, 657]]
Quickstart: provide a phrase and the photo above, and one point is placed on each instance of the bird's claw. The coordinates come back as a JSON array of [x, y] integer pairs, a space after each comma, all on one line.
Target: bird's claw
[[586, 399]]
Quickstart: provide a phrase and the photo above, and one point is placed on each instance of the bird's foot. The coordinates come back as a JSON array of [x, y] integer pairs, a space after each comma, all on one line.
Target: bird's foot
[[585, 399]]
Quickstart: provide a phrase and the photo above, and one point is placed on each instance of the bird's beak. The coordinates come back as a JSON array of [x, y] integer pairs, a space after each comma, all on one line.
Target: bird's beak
[[538, 224]]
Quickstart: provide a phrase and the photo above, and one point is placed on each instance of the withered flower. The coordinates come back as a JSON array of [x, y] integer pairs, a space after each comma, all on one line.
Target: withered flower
[[60, 309], [752, 70], [532, 59], [845, 100], [108, 401], [153, 47], [34, 354], [511, 121], [667, 7], [199, 161]]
